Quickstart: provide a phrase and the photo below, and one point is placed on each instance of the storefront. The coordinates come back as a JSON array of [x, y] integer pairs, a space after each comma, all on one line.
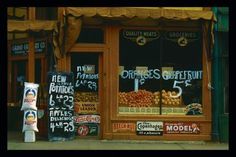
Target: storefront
[[139, 73], [146, 72]]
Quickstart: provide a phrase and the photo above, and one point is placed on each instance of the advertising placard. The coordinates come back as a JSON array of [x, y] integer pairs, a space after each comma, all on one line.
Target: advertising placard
[[87, 119], [123, 127], [149, 128], [181, 128], [60, 106], [87, 129]]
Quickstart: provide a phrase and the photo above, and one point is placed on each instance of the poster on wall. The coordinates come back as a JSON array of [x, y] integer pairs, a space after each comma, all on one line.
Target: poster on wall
[[149, 128], [181, 128], [60, 106]]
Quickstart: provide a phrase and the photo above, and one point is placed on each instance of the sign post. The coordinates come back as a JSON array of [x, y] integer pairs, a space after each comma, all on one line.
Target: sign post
[[60, 106]]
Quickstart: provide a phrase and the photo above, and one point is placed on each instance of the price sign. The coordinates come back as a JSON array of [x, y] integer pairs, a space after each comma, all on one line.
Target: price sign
[[60, 106]]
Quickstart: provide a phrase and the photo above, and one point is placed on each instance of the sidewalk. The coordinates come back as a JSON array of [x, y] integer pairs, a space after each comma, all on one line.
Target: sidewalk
[[15, 142]]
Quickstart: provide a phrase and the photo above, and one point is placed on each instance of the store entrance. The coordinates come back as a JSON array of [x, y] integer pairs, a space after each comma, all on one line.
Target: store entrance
[[87, 98]]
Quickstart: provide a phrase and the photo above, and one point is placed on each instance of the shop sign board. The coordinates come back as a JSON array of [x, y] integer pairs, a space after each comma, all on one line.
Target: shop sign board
[[60, 106], [86, 107], [21, 47], [182, 37], [181, 128], [87, 119], [150, 128], [87, 129], [141, 37], [123, 127]]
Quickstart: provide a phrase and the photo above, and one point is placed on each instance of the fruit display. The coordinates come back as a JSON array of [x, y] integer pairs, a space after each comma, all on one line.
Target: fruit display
[[168, 100], [143, 98], [86, 97], [156, 99]]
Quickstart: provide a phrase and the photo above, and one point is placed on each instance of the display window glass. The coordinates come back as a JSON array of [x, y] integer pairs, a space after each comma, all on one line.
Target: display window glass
[[91, 35], [160, 72], [86, 96]]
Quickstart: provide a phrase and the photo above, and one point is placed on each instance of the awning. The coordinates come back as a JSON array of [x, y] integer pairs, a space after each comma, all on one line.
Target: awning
[[74, 16], [23, 26], [143, 13], [36, 26]]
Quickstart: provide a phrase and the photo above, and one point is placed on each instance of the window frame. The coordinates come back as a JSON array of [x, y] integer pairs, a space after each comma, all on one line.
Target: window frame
[[206, 106]]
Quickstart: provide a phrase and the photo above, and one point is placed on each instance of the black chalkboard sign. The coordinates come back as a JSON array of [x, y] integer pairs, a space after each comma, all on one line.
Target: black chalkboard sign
[[60, 106]]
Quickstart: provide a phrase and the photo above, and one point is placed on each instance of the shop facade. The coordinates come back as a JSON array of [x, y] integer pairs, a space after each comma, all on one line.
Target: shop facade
[[139, 73]]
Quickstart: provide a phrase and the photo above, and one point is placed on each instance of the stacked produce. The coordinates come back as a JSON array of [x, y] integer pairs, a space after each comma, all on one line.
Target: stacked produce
[[168, 100], [123, 98], [157, 97], [86, 97], [141, 98]]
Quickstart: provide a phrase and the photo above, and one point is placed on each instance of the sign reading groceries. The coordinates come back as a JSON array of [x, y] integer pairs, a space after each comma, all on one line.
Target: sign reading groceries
[[181, 128], [149, 128]]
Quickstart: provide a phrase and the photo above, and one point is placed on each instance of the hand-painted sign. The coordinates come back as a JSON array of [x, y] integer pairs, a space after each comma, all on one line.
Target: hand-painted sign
[[182, 38], [60, 106], [86, 78], [149, 128], [184, 75], [123, 127], [22, 47], [181, 128], [141, 37]]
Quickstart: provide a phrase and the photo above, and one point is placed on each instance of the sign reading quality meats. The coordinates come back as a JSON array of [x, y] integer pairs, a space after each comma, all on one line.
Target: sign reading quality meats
[[60, 106]]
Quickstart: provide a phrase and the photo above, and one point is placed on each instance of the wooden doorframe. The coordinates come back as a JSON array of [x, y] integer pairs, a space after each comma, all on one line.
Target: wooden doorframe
[[101, 51]]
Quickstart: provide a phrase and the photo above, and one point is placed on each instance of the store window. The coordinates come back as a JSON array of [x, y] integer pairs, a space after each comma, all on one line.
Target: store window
[[91, 35], [160, 72], [46, 13], [86, 102]]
